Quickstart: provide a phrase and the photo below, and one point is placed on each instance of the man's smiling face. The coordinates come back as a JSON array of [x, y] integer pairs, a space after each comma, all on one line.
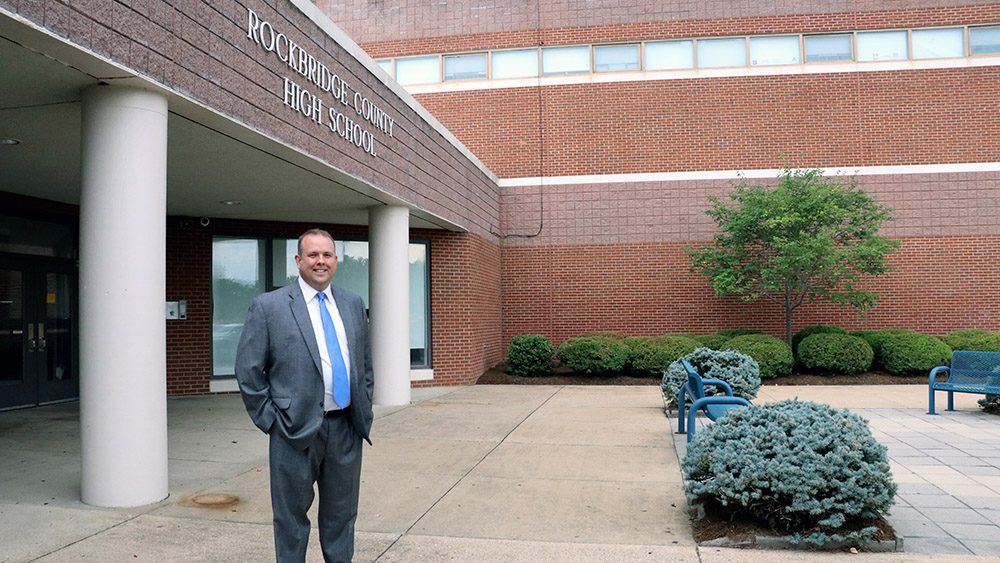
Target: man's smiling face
[[317, 261]]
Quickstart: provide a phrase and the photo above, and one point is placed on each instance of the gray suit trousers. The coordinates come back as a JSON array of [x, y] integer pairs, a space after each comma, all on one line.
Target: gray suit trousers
[[333, 461]]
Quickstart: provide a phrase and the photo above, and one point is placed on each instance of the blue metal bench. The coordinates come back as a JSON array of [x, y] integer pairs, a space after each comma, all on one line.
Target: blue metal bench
[[714, 407], [970, 372]]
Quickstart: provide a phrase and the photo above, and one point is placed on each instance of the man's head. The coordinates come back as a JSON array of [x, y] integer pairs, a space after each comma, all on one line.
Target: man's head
[[317, 258]]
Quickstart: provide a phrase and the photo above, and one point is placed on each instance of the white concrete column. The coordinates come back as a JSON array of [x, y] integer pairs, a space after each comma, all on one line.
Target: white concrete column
[[123, 367], [389, 302]]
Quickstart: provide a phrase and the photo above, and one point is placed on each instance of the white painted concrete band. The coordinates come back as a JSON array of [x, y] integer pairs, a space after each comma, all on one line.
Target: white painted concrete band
[[737, 174]]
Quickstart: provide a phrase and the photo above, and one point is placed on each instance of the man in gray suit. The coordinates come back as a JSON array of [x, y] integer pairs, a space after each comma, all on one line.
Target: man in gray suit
[[305, 371]]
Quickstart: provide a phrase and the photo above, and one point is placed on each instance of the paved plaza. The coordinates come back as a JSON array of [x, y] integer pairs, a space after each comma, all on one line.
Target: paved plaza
[[484, 473]]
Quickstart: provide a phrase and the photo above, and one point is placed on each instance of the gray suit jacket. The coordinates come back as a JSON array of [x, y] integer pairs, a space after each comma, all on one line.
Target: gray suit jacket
[[278, 365]]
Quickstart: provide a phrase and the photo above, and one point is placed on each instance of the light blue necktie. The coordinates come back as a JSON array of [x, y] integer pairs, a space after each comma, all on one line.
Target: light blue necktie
[[341, 385]]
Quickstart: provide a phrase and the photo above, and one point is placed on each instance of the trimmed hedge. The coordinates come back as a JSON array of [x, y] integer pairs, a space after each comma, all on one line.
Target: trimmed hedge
[[734, 332], [912, 353], [651, 356], [875, 338], [740, 371], [714, 341], [594, 355], [805, 468], [529, 354], [809, 331], [773, 355], [835, 353], [973, 339]]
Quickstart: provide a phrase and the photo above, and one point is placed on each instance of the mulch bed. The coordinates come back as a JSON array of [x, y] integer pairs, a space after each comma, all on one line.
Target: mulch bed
[[716, 525], [565, 376]]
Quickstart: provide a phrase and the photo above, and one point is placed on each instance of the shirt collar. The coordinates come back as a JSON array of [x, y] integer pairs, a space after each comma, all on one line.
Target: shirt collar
[[309, 292]]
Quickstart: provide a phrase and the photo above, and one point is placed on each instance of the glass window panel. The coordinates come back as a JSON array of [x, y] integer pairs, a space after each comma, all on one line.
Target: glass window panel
[[418, 70], [984, 40], [714, 53], [514, 64], [59, 327], [419, 274], [386, 65], [882, 46], [460, 67], [828, 48], [775, 50], [41, 238], [938, 43], [11, 325], [352, 267], [283, 268], [667, 55], [616, 57], [566, 60], [237, 277]]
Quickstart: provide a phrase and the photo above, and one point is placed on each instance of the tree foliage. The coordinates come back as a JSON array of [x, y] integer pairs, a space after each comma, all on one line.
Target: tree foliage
[[809, 238]]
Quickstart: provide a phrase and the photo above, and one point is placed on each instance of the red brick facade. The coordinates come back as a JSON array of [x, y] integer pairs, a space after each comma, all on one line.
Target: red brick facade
[[609, 255], [412, 28], [737, 123], [940, 284]]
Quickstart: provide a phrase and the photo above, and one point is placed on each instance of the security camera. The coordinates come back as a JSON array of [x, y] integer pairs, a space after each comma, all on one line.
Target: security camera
[[204, 221]]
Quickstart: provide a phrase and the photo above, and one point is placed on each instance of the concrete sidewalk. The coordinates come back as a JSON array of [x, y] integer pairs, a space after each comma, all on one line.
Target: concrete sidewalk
[[482, 473]]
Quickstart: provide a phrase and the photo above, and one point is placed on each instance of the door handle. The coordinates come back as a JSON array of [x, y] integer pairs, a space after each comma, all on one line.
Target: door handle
[[31, 337], [41, 336]]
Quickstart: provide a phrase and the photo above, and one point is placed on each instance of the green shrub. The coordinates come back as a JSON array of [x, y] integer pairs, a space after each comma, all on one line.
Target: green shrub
[[738, 370], [809, 331], [651, 356], [714, 341], [991, 403], [529, 354], [835, 353], [875, 338], [973, 339], [773, 355], [804, 468], [594, 355], [957, 338], [913, 352], [734, 332]]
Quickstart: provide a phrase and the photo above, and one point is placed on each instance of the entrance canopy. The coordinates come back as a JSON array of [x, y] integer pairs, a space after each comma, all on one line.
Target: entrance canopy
[[226, 155]]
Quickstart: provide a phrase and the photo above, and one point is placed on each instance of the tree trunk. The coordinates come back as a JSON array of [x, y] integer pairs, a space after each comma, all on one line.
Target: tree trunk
[[788, 323]]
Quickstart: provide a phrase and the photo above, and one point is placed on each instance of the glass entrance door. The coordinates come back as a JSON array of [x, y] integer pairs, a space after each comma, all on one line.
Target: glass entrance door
[[37, 332]]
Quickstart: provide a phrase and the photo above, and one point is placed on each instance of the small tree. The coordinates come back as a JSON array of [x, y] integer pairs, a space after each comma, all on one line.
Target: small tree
[[808, 238]]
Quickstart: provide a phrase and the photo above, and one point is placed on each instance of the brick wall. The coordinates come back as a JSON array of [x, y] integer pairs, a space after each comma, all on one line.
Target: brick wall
[[465, 307], [735, 123], [505, 26], [940, 284], [924, 205], [399, 28]]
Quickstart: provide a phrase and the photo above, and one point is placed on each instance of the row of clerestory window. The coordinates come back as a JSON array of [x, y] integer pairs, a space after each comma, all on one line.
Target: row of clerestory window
[[683, 54]]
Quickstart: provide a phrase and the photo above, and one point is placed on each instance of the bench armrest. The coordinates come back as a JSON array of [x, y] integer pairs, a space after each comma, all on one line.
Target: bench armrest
[[719, 383], [935, 371]]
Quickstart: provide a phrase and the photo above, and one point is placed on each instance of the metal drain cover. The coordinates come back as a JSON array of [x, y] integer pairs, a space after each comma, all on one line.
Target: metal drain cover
[[214, 500]]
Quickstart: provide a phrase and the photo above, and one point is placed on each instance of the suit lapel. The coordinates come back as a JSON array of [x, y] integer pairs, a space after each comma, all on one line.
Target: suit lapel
[[297, 303]]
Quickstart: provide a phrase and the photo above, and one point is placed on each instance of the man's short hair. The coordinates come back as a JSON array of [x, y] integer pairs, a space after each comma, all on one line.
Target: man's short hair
[[311, 232]]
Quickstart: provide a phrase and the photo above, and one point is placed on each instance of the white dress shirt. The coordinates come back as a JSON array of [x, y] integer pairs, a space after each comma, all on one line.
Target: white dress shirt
[[312, 304]]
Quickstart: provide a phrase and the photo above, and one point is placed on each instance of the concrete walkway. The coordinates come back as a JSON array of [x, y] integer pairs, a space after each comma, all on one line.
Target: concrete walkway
[[483, 473]]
